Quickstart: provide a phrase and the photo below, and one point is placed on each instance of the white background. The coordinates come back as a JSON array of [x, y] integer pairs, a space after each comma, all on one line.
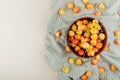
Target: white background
[[22, 31]]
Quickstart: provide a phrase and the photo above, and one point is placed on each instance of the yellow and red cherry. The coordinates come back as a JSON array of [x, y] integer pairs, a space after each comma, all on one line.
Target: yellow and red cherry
[[83, 77], [106, 48], [117, 41], [73, 45], [113, 67], [117, 33], [97, 13], [75, 41], [81, 52], [101, 70], [84, 39], [93, 42], [81, 27], [88, 74], [85, 22], [95, 49], [76, 10], [99, 45], [94, 62], [79, 22], [89, 6], [90, 53]]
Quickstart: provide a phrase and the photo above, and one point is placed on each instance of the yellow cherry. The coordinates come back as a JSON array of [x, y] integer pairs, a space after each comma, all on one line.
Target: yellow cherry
[[101, 6], [100, 70], [67, 49], [101, 36], [58, 34], [71, 33], [70, 5], [71, 60], [97, 57], [118, 13], [65, 69], [61, 11], [106, 48], [74, 27], [85, 1], [79, 62], [88, 73], [77, 48]]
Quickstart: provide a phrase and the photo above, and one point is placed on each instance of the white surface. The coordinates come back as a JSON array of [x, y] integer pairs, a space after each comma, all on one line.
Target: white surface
[[22, 30]]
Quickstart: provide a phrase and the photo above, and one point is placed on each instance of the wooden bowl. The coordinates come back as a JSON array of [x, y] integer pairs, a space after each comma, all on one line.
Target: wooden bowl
[[104, 41]]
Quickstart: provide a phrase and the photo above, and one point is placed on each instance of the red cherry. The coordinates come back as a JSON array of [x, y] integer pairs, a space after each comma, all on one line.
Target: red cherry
[[71, 38], [80, 52], [75, 41]]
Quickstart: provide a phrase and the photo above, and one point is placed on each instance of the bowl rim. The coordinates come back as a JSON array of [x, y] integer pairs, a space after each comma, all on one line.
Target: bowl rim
[[104, 41]]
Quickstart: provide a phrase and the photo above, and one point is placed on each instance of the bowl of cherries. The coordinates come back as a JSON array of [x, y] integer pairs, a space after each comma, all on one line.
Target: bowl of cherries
[[86, 37]]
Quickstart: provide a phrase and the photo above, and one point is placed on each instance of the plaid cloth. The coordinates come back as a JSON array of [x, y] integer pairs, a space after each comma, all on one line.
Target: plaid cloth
[[55, 47]]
